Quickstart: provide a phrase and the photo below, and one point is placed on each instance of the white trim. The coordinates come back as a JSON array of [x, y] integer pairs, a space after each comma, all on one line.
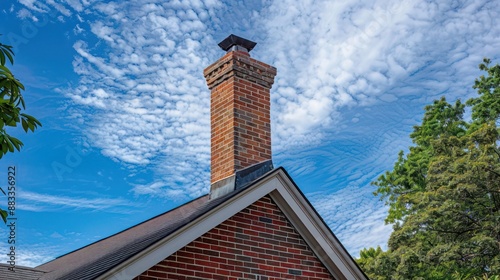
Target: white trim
[[289, 200], [319, 238], [171, 244]]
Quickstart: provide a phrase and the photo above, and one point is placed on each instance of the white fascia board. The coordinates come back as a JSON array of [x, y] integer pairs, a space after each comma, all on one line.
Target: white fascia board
[[182, 237], [288, 198], [314, 231]]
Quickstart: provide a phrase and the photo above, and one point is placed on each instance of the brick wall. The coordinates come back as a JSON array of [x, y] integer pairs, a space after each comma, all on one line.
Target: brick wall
[[257, 243], [240, 113]]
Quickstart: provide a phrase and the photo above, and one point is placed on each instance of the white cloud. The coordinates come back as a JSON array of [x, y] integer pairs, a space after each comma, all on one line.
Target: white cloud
[[32, 201], [102, 66], [34, 5], [341, 171], [142, 99], [355, 217], [162, 190], [390, 56], [32, 256], [77, 30], [330, 56], [59, 7], [56, 235], [75, 5], [148, 86], [357, 54], [26, 255], [24, 13]]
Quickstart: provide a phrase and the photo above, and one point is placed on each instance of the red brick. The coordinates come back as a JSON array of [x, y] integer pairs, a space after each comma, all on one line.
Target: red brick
[[237, 103], [223, 261]]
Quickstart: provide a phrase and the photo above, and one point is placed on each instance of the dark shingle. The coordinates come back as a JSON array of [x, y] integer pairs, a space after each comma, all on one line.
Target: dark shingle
[[21, 273], [95, 259]]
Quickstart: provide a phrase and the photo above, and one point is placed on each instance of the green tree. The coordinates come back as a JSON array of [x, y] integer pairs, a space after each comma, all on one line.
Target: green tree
[[11, 104], [376, 263], [410, 173], [444, 195]]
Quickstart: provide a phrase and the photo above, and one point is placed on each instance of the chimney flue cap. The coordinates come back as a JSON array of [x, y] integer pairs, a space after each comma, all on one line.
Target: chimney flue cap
[[233, 42]]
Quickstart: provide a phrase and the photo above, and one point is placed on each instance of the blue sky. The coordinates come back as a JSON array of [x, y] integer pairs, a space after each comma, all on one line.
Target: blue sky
[[119, 89]]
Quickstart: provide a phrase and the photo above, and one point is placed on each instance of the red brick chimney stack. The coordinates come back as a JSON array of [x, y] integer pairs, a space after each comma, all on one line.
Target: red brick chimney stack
[[240, 114]]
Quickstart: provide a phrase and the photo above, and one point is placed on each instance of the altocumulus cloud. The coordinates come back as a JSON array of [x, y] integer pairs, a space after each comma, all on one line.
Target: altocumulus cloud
[[43, 202], [384, 56], [144, 79], [32, 255], [354, 216], [148, 86], [333, 54]]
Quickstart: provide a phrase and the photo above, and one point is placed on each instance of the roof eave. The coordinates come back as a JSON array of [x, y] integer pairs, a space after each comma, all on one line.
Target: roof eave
[[291, 201]]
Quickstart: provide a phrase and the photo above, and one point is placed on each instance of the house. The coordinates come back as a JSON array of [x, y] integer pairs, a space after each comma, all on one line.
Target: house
[[254, 224]]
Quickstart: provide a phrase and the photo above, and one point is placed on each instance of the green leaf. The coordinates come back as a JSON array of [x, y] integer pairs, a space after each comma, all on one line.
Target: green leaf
[[5, 71], [11, 147], [31, 126], [4, 215], [24, 123], [19, 84], [9, 56], [16, 142], [12, 123]]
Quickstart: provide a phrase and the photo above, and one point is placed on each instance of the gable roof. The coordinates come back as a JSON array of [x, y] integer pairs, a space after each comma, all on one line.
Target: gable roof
[[134, 250], [93, 260]]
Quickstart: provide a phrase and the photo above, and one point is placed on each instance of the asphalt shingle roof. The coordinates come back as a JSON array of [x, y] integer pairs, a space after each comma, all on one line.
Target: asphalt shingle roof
[[21, 273], [95, 259]]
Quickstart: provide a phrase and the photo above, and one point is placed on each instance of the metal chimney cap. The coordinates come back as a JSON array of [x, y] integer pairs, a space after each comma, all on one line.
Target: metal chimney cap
[[233, 40]]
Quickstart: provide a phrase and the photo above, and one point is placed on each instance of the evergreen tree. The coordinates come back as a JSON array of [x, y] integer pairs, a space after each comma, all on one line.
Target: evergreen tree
[[444, 195]]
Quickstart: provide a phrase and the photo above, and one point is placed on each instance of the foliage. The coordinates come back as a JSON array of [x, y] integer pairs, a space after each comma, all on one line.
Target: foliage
[[409, 174], [11, 104], [444, 195], [376, 263]]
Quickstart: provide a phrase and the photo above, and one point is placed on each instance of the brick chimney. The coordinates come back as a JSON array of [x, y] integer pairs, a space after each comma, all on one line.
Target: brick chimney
[[239, 115]]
